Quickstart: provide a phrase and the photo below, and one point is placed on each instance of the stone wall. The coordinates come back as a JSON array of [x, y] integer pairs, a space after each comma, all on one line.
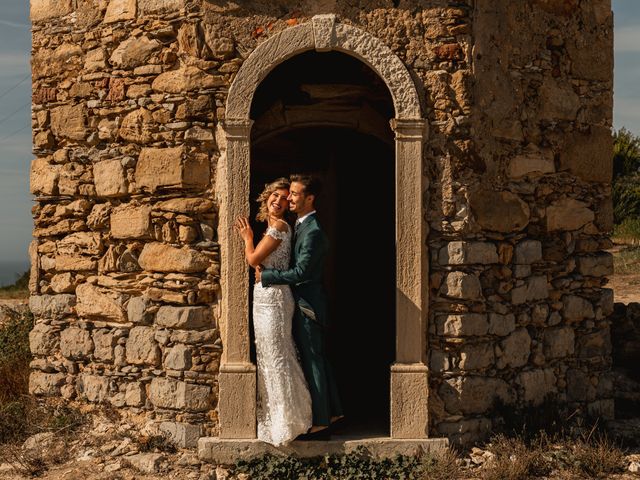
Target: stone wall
[[127, 98]]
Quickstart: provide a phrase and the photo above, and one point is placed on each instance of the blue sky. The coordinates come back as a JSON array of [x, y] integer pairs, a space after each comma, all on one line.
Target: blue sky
[[15, 136]]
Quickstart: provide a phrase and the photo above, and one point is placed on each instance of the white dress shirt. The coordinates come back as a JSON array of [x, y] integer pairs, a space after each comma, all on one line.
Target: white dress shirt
[[303, 218]]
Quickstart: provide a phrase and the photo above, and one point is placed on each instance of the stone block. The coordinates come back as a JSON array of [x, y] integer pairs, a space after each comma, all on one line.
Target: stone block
[[594, 345], [473, 394], [75, 343], [110, 178], [147, 7], [120, 10], [42, 10], [137, 310], [188, 206], [501, 325], [183, 435], [174, 394], [537, 384], [95, 302], [466, 253], [69, 121], [579, 386], [131, 221], [142, 349], [588, 155], [63, 283], [80, 243], [138, 127], [535, 288], [499, 211], [599, 265], [94, 388], [532, 162], [104, 341], [133, 52], [558, 101], [146, 463], [74, 263], [178, 358], [559, 342], [52, 306], [516, 349], [160, 168], [568, 214], [43, 339], [135, 395], [462, 285], [43, 177], [158, 257], [476, 357], [409, 403], [187, 79], [575, 308], [49, 384], [528, 252], [465, 324], [184, 317]]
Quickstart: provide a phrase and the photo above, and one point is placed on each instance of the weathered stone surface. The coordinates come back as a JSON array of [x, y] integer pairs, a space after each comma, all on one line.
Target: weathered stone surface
[[535, 288], [575, 308], [137, 310], [568, 214], [104, 341], [72, 263], [468, 324], [110, 178], [95, 302], [528, 252], [594, 345], [131, 221], [199, 134], [186, 79], [43, 340], [588, 156], [68, 121], [532, 162], [80, 243], [158, 257], [599, 265], [147, 7], [138, 126], [94, 388], [75, 343], [170, 168], [476, 357], [501, 325], [147, 463], [142, 348], [465, 253], [537, 384], [169, 393], [499, 211], [41, 383], [135, 395], [462, 285], [42, 10], [471, 395], [189, 206], [43, 177], [178, 358], [52, 306], [515, 349], [559, 342], [558, 101], [119, 10], [183, 435], [134, 52], [184, 317]]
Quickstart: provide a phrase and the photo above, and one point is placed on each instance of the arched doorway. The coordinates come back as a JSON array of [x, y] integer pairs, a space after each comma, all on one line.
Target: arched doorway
[[328, 114], [408, 388]]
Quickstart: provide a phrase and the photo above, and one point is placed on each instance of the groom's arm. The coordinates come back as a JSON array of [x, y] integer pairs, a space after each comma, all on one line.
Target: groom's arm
[[306, 263]]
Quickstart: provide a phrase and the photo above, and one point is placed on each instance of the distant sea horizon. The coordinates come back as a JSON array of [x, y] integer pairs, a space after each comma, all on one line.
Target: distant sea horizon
[[10, 271]]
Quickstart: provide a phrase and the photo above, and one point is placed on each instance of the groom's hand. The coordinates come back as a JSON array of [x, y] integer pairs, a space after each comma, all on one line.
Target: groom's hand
[[258, 274]]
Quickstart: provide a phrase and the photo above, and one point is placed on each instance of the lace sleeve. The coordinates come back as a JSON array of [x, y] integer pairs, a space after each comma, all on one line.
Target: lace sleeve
[[275, 233]]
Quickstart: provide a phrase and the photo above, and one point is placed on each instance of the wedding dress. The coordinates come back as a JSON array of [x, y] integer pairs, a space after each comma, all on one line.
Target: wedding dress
[[284, 403]]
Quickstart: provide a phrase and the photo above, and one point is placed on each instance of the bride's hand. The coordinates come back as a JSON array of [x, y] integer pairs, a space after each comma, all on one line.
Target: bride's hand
[[244, 229]]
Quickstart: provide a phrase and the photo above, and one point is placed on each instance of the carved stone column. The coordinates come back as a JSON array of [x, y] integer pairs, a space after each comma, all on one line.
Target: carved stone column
[[237, 379], [409, 378]]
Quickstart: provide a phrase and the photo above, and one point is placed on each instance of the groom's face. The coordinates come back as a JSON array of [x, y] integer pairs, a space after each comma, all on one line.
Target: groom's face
[[298, 201]]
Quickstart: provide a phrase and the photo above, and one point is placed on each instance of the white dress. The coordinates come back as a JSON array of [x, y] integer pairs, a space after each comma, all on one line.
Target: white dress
[[284, 403]]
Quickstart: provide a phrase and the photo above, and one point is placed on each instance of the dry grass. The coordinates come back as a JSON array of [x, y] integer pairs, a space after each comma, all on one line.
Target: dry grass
[[515, 460], [442, 466], [626, 261]]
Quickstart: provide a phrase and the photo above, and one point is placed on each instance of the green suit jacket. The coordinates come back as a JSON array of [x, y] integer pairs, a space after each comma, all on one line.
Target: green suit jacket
[[305, 275]]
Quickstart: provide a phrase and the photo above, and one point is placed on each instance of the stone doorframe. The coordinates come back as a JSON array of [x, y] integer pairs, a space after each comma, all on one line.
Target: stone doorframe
[[237, 378]]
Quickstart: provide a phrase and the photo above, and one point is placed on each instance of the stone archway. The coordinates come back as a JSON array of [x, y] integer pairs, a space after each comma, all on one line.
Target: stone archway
[[237, 378]]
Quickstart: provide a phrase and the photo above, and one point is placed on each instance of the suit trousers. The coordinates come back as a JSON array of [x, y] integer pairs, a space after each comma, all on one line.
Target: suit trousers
[[309, 336]]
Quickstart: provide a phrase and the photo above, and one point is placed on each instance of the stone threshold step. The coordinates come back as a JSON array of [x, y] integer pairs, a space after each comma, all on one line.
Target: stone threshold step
[[224, 451]]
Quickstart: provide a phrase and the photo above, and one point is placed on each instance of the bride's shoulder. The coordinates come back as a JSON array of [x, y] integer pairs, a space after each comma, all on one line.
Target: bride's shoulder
[[281, 226]]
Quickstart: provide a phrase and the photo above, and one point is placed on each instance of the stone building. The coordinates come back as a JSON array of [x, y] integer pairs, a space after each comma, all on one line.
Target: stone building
[[465, 148]]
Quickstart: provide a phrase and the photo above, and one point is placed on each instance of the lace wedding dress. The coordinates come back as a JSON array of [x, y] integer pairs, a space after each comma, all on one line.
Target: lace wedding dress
[[284, 403]]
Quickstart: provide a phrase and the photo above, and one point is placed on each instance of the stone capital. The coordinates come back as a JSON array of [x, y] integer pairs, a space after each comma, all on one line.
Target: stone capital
[[409, 128], [237, 128]]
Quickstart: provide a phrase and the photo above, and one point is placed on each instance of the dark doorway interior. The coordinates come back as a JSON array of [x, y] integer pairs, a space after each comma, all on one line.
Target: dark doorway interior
[[356, 209]]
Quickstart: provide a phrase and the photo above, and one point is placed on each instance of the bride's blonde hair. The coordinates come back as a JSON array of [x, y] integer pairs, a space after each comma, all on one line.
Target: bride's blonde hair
[[269, 188]]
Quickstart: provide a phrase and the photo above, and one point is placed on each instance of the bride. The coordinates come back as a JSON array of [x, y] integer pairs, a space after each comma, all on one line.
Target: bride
[[284, 403]]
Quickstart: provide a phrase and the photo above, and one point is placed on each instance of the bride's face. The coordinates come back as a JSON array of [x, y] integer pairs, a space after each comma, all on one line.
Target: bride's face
[[277, 203]]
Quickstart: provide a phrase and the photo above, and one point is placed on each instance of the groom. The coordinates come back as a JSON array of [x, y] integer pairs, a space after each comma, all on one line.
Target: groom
[[310, 247]]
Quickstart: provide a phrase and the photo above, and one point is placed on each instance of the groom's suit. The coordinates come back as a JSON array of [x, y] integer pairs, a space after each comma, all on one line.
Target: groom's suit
[[310, 319]]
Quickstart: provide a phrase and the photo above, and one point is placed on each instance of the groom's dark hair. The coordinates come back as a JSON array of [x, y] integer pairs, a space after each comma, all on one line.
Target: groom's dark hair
[[311, 183]]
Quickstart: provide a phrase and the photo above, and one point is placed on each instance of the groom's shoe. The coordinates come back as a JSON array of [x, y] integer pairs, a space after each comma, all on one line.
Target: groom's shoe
[[320, 435]]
